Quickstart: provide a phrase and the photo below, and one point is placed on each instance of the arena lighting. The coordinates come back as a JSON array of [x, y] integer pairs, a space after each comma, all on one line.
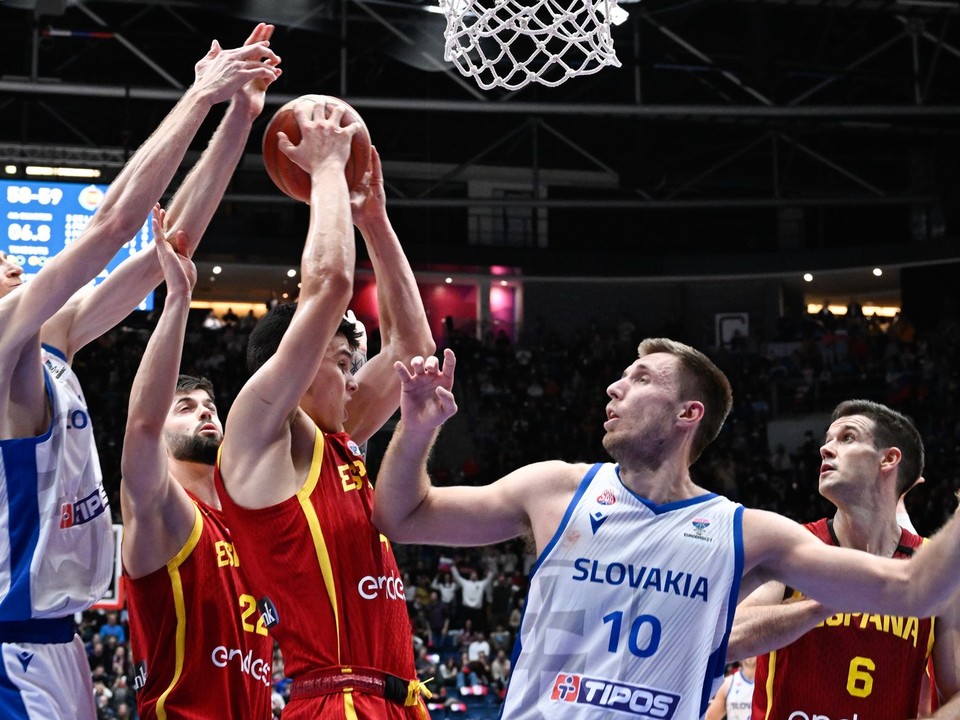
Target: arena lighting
[[10, 169], [887, 311], [808, 277], [291, 272], [217, 270], [47, 171], [877, 272], [448, 280]]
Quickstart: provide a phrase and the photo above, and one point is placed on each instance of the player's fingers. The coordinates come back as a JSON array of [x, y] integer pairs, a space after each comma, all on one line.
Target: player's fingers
[[402, 371]]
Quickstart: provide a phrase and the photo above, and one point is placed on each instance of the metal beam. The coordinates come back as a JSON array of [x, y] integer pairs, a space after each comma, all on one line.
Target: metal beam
[[647, 112], [761, 203]]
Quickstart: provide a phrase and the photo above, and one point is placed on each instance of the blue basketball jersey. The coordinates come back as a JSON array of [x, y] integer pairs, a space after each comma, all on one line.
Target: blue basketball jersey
[[56, 535], [630, 607]]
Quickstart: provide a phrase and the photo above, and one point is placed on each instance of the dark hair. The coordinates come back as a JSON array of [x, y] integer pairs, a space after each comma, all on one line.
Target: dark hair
[[189, 383], [269, 331], [700, 380], [890, 429]]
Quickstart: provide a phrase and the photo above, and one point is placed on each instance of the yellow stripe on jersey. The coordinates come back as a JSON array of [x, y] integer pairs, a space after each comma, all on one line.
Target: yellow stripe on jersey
[[176, 585], [348, 708], [771, 671], [319, 544]]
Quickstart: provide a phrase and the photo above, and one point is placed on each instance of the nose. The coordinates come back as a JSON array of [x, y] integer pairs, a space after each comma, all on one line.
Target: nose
[[352, 385], [205, 413], [11, 269], [613, 389], [826, 450]]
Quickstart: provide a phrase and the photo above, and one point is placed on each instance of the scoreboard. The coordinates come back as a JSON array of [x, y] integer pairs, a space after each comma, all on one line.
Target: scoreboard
[[38, 219]]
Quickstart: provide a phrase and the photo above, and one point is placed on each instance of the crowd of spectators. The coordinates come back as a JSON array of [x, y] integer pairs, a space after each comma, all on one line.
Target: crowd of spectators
[[543, 396]]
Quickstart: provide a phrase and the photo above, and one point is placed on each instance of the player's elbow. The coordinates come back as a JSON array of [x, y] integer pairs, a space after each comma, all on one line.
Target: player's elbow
[[333, 283]]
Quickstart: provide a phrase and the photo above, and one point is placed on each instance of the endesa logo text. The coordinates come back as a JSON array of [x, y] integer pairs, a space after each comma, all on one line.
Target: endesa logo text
[[370, 587], [632, 699], [256, 668]]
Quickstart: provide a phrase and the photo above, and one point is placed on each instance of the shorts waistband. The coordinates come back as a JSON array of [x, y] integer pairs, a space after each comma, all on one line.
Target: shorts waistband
[[56, 630], [363, 680]]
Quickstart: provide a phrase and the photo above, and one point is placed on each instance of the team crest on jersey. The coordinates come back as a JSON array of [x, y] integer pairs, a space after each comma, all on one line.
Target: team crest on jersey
[[607, 498], [612, 695], [700, 526], [354, 448]]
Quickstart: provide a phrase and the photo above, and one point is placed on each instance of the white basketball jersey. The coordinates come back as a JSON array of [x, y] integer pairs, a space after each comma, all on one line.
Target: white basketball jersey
[[739, 697], [56, 536], [629, 608]]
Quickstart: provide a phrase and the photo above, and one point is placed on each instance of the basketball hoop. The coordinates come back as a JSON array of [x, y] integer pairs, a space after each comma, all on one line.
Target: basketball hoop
[[510, 43]]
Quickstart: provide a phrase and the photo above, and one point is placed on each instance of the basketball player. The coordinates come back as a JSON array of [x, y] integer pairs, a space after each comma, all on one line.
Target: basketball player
[[57, 542], [193, 624], [291, 477], [633, 594], [734, 699], [846, 665]]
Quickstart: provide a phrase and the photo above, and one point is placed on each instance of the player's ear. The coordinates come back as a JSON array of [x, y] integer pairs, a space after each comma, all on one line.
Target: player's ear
[[691, 411], [891, 458]]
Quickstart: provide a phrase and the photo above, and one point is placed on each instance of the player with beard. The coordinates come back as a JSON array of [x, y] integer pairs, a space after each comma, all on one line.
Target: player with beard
[[639, 569], [199, 648]]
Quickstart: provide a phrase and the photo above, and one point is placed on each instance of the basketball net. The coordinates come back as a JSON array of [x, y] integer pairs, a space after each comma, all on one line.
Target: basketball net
[[510, 43]]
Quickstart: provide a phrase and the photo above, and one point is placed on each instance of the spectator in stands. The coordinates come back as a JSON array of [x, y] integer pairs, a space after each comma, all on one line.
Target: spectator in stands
[[473, 596]]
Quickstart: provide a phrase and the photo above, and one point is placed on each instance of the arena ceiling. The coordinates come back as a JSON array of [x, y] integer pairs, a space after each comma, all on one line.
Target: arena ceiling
[[738, 135]]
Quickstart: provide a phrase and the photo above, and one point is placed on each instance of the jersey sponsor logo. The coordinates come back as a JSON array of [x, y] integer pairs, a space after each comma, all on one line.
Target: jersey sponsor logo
[[597, 519], [354, 448], [801, 715], [607, 498], [257, 668], [85, 510], [139, 675], [665, 580], [700, 526], [614, 695], [55, 369], [25, 657], [370, 587], [268, 611]]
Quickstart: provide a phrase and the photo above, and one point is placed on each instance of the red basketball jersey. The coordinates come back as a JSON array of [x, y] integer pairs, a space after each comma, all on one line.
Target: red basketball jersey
[[330, 579], [197, 647], [853, 665]]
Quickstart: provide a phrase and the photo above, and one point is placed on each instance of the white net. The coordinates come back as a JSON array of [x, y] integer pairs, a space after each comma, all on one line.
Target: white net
[[510, 43]]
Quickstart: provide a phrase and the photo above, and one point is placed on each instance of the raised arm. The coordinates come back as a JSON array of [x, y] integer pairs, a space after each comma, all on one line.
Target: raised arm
[[777, 548], [158, 515], [403, 322], [409, 509], [257, 445], [765, 621], [93, 311]]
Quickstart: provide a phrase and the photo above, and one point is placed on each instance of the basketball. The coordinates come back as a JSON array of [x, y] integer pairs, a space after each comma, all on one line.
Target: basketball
[[290, 177]]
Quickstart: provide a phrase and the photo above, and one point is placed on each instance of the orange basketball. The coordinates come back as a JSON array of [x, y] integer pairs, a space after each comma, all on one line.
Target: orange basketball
[[290, 177]]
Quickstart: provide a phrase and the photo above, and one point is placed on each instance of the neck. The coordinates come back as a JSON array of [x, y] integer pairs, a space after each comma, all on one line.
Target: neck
[[670, 482], [196, 478], [867, 529]]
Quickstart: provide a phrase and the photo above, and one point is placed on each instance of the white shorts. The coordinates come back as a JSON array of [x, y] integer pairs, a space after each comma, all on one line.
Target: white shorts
[[46, 681]]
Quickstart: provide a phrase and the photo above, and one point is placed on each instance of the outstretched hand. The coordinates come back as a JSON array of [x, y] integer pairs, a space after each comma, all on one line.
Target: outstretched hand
[[253, 94], [220, 73], [369, 201], [179, 272], [426, 400]]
